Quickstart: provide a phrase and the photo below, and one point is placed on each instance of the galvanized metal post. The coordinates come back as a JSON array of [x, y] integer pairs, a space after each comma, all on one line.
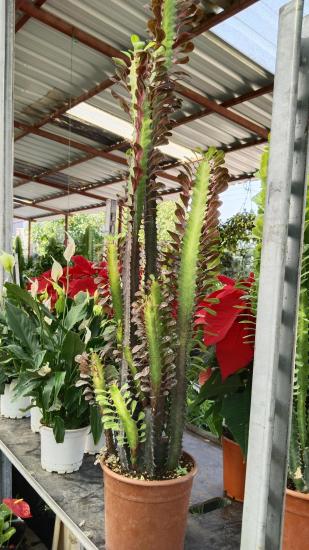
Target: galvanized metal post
[[6, 477], [7, 15], [278, 290], [29, 238], [110, 217]]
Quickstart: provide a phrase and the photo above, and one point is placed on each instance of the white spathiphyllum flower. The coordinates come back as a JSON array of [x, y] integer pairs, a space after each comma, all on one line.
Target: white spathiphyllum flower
[[7, 261], [34, 288], [88, 335], [56, 271], [70, 249], [44, 370], [47, 303], [48, 320]]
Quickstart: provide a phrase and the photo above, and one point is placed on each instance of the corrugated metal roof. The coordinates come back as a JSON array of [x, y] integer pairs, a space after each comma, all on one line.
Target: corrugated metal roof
[[254, 31], [52, 68]]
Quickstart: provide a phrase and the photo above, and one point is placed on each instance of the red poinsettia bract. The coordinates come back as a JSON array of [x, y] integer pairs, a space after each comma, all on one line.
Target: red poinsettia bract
[[230, 326], [18, 507], [81, 276]]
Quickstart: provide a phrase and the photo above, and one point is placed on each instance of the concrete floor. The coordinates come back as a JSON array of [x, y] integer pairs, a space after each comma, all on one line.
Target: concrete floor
[[78, 496]]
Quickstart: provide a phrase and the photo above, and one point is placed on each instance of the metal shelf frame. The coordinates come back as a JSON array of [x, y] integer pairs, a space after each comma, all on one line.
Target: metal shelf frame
[[278, 288]]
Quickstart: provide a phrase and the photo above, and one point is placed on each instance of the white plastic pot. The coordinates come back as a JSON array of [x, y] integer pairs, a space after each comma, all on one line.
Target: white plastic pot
[[11, 406], [91, 448], [35, 419], [63, 457]]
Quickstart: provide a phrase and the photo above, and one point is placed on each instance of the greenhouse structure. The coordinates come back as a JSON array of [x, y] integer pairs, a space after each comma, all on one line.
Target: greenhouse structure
[[154, 279]]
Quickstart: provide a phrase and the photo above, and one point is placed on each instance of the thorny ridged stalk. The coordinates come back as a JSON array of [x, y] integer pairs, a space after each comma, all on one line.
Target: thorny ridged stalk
[[153, 293]]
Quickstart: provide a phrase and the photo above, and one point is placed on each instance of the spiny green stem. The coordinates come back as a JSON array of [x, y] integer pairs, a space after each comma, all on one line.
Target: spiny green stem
[[129, 424], [186, 296]]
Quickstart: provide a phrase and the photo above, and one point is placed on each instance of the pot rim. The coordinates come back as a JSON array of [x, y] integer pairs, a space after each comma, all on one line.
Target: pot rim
[[152, 483], [230, 441], [297, 494], [68, 431]]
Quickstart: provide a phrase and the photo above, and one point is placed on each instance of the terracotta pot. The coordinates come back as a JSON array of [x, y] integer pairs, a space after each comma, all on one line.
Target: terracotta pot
[[296, 521], [234, 470], [145, 515]]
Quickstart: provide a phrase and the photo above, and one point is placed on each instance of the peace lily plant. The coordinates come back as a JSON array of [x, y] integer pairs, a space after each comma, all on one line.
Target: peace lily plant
[[44, 341]]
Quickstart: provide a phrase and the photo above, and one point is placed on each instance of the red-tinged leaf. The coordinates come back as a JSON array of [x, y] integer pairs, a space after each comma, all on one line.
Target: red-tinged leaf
[[204, 376], [233, 352], [226, 314]]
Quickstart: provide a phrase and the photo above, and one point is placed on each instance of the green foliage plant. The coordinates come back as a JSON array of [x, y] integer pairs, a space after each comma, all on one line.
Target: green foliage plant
[[6, 529], [237, 241], [20, 259], [299, 440], [226, 403], [44, 342], [141, 385]]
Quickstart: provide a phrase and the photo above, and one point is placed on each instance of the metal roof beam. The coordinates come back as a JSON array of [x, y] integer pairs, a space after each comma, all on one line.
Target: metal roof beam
[[211, 20], [24, 18], [68, 212], [92, 152], [33, 204], [90, 207], [70, 30], [222, 111], [248, 96], [54, 185], [234, 147], [57, 23], [69, 104]]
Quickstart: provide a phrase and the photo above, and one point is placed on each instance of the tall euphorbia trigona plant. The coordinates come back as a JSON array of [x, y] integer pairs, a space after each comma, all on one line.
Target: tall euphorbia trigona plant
[[140, 378]]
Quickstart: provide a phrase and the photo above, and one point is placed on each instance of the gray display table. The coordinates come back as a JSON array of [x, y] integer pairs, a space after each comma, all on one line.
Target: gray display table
[[77, 498]]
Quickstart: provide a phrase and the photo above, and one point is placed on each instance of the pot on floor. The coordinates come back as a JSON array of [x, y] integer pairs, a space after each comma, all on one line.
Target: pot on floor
[[234, 470], [12, 407], [296, 521], [63, 457], [142, 515]]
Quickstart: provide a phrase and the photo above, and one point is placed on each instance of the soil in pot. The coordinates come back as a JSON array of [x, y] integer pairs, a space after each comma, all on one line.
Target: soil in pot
[[63, 457], [296, 521], [234, 470], [146, 515]]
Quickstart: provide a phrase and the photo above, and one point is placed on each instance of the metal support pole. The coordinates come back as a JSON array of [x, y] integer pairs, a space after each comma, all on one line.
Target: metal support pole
[[66, 227], [29, 238], [278, 291], [6, 477], [120, 216], [110, 217], [7, 16]]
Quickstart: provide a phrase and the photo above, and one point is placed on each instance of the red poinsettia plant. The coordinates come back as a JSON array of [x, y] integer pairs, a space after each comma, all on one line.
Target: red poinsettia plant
[[80, 275], [227, 321]]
